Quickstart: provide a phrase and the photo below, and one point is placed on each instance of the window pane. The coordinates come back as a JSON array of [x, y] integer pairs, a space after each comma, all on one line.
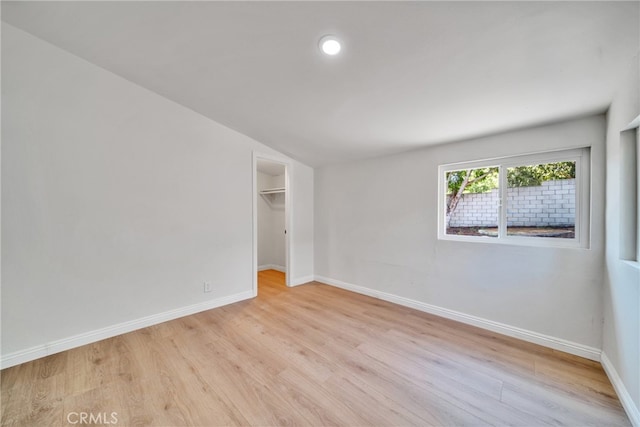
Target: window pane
[[541, 200], [472, 202]]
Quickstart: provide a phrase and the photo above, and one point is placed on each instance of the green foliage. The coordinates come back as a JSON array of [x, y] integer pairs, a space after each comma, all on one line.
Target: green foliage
[[485, 184], [528, 176], [483, 180], [479, 180]]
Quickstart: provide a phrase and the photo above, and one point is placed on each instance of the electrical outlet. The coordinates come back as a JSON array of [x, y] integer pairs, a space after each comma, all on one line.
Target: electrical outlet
[[207, 287]]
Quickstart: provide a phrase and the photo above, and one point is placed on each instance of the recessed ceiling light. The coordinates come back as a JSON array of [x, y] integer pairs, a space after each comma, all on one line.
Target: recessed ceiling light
[[330, 45]]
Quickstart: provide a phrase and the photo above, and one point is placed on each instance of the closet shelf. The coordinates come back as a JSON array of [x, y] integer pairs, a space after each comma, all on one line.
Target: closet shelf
[[272, 191]]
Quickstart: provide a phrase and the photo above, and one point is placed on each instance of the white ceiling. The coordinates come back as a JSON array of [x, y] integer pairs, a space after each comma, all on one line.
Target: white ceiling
[[410, 73]]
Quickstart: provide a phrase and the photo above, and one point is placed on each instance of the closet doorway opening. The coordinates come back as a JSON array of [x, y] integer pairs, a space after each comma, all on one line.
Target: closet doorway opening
[[271, 202]]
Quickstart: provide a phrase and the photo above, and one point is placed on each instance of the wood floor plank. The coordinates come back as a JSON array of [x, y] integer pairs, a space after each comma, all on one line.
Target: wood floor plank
[[311, 355]]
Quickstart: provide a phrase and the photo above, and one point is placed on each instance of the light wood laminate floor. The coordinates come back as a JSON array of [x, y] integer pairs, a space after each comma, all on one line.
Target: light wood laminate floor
[[311, 355]]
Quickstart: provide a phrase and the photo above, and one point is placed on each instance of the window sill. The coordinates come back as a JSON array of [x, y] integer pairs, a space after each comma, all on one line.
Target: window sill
[[632, 264], [537, 242]]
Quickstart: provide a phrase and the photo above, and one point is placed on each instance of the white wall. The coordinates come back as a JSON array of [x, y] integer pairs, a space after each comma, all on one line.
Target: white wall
[[117, 204], [376, 228], [264, 221], [621, 342], [271, 223], [278, 238], [302, 224]]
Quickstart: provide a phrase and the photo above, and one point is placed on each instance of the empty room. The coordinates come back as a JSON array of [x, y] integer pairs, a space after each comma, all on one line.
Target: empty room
[[344, 213]]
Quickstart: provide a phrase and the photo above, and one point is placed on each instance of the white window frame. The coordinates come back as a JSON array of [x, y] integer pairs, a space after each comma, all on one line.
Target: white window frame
[[583, 200]]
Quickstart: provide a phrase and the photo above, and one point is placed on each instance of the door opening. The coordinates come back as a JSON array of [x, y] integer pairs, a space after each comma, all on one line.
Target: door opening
[[271, 201]]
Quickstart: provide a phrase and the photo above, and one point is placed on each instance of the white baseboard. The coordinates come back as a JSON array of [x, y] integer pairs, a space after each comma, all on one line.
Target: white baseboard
[[301, 280], [633, 412], [501, 328], [272, 267], [53, 347]]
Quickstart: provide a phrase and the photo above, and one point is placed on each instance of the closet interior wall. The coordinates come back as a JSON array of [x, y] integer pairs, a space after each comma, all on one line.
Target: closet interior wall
[[271, 223]]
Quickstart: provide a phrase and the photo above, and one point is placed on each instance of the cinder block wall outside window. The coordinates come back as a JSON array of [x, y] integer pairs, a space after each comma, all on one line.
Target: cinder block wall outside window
[[551, 204]]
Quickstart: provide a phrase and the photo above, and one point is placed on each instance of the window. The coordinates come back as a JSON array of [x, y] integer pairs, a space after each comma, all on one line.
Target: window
[[539, 199], [630, 202]]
